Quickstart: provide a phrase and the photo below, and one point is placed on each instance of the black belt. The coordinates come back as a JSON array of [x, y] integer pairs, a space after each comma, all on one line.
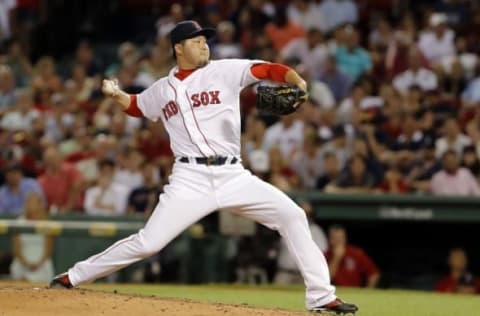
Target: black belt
[[209, 161]]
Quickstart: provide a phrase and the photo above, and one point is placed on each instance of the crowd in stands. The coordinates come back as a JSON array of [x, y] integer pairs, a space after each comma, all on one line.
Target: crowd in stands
[[394, 105]]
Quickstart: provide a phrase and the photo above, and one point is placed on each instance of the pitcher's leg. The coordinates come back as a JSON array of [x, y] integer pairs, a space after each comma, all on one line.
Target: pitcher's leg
[[170, 218], [267, 205]]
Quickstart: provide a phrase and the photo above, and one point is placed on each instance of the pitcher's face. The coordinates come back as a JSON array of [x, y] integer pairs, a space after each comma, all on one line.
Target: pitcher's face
[[195, 51]]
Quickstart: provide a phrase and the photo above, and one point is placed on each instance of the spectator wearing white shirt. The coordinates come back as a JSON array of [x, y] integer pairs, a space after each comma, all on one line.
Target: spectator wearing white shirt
[[415, 75], [129, 174], [107, 197], [311, 51], [453, 139], [23, 115], [226, 47], [287, 134], [307, 163], [339, 12], [307, 14], [439, 42], [452, 179]]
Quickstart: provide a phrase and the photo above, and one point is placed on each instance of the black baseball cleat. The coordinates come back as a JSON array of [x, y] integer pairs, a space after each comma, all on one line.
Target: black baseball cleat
[[61, 281], [336, 307]]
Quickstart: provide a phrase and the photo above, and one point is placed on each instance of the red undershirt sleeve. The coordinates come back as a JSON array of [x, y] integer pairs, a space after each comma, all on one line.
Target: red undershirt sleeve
[[133, 109], [272, 71]]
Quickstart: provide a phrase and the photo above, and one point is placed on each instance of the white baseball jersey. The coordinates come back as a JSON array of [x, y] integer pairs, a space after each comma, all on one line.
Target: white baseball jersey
[[202, 116], [201, 113]]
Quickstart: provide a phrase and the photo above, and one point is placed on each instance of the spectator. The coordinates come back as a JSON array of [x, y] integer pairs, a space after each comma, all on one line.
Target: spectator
[[349, 265], [7, 89], [166, 22], [125, 51], [226, 47], [339, 12], [339, 144], [129, 174], [470, 160], [84, 84], [287, 134], [280, 175], [143, 199], [415, 75], [61, 182], [21, 117], [352, 59], [160, 60], [422, 169], [33, 252], [339, 83], [394, 182], [19, 63], [355, 179], [331, 170], [288, 272], [7, 18], [438, 42], [452, 139], [85, 56], [307, 14], [311, 51], [411, 140], [397, 54], [459, 280], [138, 77], [452, 179], [471, 94], [46, 81], [153, 142], [107, 197], [256, 156], [307, 163], [14, 192], [281, 31], [380, 38]]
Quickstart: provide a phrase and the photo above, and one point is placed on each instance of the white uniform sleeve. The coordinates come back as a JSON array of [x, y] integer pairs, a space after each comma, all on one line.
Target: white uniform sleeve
[[236, 72], [150, 99]]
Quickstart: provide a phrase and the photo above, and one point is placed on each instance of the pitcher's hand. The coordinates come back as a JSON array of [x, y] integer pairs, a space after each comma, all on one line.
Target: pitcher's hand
[[110, 87]]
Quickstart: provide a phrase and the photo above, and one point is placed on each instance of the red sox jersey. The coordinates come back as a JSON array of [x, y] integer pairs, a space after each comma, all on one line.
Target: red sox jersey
[[201, 113]]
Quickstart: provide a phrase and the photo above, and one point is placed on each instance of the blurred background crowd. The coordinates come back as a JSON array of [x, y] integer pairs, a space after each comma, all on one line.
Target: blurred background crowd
[[394, 107]]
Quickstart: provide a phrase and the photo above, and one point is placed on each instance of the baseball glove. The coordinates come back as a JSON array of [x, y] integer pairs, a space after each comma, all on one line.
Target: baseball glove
[[279, 100]]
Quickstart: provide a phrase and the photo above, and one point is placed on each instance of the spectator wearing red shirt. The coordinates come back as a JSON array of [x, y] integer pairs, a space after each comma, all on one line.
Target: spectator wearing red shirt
[[459, 280], [61, 182], [349, 265], [281, 31]]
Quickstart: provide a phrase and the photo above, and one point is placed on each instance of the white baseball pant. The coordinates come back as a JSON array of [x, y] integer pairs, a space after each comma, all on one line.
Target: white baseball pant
[[197, 190]]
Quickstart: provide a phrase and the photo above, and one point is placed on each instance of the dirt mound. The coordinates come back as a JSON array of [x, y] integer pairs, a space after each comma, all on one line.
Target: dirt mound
[[16, 300]]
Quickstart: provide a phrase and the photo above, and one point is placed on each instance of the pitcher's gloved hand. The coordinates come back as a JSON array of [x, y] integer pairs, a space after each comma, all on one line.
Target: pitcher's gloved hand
[[280, 100]]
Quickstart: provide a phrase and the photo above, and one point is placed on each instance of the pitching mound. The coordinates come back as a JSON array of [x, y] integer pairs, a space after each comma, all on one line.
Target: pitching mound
[[21, 299]]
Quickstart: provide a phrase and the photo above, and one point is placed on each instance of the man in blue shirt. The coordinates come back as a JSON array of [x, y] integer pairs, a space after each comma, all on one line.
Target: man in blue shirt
[[337, 81], [15, 190], [352, 59]]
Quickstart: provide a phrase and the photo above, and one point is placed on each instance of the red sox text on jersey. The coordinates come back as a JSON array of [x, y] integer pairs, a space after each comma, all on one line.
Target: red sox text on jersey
[[203, 98]]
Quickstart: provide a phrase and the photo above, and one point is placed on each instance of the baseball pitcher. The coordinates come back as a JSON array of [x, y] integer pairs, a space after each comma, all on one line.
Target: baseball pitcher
[[198, 102]]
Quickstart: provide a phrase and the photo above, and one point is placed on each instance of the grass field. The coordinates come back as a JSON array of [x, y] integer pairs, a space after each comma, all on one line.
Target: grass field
[[371, 302]]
